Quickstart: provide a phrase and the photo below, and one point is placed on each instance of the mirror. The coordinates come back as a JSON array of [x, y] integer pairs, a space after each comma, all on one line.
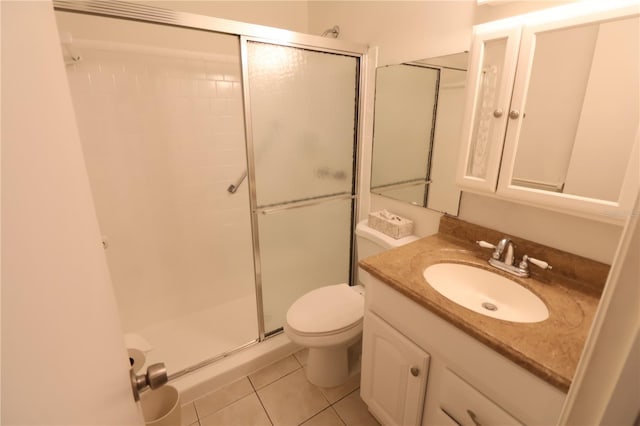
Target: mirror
[[580, 118], [418, 116]]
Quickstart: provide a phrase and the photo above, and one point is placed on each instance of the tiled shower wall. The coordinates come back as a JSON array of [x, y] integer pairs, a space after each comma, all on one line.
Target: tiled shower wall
[[163, 137]]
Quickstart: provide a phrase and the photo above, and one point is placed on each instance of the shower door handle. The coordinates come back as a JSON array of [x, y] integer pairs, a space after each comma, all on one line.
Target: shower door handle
[[155, 377], [234, 187]]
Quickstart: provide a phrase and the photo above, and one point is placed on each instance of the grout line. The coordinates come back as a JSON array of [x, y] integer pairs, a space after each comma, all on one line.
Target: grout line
[[273, 363], [336, 411], [251, 383], [255, 391], [279, 378], [263, 407], [225, 406], [315, 415], [343, 397], [296, 358], [337, 415], [196, 410]]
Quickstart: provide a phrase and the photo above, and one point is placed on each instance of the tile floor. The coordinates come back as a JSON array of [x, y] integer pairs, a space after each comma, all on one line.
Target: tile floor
[[280, 395]]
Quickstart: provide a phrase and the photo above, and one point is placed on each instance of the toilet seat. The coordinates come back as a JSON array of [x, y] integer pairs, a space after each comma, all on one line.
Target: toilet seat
[[326, 311]]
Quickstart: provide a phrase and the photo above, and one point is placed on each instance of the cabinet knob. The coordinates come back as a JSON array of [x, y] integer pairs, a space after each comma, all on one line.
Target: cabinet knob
[[498, 113], [415, 371], [514, 114]]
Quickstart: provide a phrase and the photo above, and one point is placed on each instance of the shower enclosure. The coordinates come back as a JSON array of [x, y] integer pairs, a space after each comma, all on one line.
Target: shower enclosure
[[223, 165]]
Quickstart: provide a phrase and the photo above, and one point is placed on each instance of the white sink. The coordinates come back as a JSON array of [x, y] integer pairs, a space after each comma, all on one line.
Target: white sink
[[485, 292]]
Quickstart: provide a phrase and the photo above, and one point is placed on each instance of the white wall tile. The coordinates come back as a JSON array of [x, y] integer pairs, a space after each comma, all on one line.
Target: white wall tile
[[162, 144]]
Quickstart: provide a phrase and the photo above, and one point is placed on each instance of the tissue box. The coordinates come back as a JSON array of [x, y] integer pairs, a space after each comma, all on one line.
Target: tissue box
[[390, 224]]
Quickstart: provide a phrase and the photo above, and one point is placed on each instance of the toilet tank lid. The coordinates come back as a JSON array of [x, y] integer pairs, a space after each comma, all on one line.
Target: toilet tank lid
[[365, 231]]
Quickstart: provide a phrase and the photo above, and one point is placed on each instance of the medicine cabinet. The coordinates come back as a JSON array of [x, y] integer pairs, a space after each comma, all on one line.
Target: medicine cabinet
[[552, 111]]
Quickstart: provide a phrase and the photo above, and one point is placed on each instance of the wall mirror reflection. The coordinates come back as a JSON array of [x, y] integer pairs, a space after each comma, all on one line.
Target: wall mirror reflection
[[418, 116], [580, 117]]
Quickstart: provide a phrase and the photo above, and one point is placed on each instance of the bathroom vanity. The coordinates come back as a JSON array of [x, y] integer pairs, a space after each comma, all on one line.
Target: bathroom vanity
[[427, 360], [550, 120]]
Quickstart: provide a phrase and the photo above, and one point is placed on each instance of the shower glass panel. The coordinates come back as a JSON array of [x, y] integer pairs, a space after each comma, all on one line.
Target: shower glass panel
[[161, 120], [302, 249], [303, 121], [303, 106]]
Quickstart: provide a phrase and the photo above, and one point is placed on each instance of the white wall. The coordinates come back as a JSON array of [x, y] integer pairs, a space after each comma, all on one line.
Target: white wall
[[63, 357], [403, 30], [588, 238], [289, 15], [605, 388], [504, 9]]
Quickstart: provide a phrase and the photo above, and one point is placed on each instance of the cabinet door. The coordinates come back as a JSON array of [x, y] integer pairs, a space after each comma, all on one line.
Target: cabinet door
[[490, 82], [394, 374], [572, 142]]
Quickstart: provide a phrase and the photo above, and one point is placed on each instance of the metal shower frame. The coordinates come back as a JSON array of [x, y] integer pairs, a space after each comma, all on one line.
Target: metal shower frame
[[255, 33]]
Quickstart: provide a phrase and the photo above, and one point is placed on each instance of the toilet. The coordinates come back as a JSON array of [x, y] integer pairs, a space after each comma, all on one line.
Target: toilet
[[328, 320]]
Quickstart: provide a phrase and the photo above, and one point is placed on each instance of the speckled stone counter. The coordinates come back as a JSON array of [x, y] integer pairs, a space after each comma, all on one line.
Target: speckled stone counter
[[549, 349]]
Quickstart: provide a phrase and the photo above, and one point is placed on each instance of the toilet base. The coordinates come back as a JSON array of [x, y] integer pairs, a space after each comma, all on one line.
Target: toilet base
[[328, 367]]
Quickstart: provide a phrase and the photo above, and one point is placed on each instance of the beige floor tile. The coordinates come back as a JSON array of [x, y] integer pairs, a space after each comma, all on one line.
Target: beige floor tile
[[302, 355], [188, 415], [217, 400], [336, 393], [353, 411], [273, 372], [292, 399], [245, 412], [327, 417]]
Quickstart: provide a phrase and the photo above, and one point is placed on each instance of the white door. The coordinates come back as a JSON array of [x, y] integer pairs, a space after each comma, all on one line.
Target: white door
[[394, 374], [63, 357]]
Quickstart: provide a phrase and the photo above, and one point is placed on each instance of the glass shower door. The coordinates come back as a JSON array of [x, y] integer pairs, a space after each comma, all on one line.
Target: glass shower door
[[303, 109], [162, 128]]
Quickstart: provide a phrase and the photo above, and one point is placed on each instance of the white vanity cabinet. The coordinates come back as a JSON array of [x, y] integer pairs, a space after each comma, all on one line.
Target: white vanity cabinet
[[467, 383], [395, 372], [553, 109]]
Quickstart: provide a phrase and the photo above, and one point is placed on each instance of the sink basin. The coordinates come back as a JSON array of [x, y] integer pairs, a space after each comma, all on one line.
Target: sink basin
[[486, 293]]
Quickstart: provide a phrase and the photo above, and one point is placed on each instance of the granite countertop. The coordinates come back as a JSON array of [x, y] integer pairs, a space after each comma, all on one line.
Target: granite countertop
[[549, 349]]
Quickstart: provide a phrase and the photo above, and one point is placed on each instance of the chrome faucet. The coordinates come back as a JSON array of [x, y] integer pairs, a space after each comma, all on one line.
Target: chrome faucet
[[503, 258], [504, 250]]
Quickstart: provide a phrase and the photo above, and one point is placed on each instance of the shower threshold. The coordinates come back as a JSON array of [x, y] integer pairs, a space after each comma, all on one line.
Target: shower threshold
[[192, 341]]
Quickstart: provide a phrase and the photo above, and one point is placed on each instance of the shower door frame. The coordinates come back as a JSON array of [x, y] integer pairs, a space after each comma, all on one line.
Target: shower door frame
[[255, 209], [259, 33]]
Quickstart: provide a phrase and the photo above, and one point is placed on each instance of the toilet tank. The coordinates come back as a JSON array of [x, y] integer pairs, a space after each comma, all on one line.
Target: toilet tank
[[370, 242]]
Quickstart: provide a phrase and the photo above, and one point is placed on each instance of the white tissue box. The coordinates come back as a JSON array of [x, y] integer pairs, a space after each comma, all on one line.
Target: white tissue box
[[390, 224]]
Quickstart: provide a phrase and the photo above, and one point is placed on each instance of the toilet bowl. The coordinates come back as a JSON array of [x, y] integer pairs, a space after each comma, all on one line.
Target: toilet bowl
[[328, 320]]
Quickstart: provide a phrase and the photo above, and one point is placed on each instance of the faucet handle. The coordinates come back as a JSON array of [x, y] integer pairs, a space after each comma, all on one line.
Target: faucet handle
[[484, 244], [539, 263]]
